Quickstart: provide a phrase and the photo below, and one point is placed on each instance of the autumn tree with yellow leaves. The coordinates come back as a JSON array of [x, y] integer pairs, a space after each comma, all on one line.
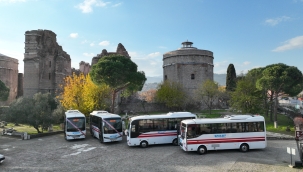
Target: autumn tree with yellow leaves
[[79, 92]]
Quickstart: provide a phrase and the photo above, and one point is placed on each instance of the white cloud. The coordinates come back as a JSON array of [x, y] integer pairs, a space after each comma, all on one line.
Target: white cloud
[[246, 63], [73, 35], [151, 64], [87, 5], [133, 54], [118, 4], [84, 42], [89, 54], [92, 44], [104, 43], [293, 43], [276, 21], [162, 47], [155, 54], [221, 67]]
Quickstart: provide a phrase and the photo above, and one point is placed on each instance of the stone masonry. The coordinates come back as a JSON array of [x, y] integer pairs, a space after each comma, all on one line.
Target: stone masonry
[[9, 76], [45, 63], [120, 50], [83, 68], [188, 66]]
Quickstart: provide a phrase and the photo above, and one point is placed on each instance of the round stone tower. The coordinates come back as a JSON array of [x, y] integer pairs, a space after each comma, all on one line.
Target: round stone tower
[[9, 76], [188, 66]]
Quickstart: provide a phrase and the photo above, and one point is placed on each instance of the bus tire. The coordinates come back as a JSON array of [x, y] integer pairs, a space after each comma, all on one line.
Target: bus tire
[[101, 139], [202, 150], [65, 136], [92, 133], [144, 144], [244, 147], [175, 142]]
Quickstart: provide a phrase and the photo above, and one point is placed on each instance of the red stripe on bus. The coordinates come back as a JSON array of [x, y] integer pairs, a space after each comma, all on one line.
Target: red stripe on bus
[[210, 141], [157, 135]]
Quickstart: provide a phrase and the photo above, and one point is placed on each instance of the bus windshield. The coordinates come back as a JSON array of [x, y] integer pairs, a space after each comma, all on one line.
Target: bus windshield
[[79, 122], [114, 122]]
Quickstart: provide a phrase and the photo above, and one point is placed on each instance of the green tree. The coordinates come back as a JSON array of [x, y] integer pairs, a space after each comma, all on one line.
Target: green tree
[[223, 96], [207, 93], [231, 78], [265, 94], [246, 96], [171, 94], [280, 78], [41, 113], [36, 112], [18, 110], [4, 92], [119, 73]]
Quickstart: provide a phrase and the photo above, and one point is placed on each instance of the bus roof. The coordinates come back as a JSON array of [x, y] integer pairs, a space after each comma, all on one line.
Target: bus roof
[[168, 115], [73, 113], [104, 114], [225, 119]]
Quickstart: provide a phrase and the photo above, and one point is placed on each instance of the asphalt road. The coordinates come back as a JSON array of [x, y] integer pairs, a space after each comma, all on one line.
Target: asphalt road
[[53, 153]]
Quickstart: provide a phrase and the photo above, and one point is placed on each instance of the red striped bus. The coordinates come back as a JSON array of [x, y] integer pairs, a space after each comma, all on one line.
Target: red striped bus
[[147, 130], [241, 132]]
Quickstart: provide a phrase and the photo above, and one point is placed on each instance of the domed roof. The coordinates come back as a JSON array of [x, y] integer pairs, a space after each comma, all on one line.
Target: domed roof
[[187, 45]]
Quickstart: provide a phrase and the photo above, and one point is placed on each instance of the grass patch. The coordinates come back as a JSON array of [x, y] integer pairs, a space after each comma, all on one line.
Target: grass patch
[[29, 129], [283, 123]]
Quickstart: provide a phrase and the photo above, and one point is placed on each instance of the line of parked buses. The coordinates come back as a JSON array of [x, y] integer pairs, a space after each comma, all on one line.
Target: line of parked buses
[[243, 132]]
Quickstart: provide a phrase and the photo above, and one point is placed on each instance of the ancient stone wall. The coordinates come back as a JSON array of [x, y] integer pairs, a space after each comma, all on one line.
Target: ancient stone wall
[[120, 50], [188, 66], [20, 85], [9, 76], [45, 63], [84, 67]]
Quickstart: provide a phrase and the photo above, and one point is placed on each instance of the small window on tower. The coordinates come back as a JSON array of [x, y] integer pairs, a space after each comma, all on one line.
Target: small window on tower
[[50, 63], [192, 76], [165, 77]]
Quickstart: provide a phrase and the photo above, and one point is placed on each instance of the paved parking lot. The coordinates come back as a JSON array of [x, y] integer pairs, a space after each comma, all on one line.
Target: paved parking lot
[[53, 153]]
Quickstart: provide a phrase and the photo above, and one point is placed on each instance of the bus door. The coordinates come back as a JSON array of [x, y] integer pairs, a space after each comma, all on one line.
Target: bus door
[[134, 129], [100, 126]]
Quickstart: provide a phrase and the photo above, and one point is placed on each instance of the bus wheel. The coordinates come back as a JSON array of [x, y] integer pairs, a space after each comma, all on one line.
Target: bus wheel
[[175, 142], [101, 139], [201, 150], [144, 144], [65, 136], [91, 132], [244, 147]]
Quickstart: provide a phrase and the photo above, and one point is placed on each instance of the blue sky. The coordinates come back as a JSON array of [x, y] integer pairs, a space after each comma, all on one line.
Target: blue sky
[[247, 34]]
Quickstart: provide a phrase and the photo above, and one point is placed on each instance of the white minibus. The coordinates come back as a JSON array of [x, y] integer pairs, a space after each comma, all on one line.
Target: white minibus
[[74, 125], [106, 127], [147, 130], [241, 132]]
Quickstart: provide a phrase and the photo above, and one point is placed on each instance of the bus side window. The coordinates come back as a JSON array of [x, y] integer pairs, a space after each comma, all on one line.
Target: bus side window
[[133, 128]]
